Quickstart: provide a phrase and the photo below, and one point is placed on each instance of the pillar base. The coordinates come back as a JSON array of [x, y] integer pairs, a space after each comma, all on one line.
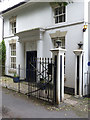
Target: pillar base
[[78, 96], [60, 105]]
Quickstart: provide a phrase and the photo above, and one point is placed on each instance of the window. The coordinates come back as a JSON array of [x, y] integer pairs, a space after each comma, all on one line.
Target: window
[[13, 25], [59, 14], [13, 56]]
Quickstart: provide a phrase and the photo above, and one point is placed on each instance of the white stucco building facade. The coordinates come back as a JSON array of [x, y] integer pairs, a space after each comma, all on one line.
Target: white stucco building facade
[[35, 30]]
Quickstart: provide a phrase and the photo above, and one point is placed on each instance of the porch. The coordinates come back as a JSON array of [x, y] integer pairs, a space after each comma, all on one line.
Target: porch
[[29, 45]]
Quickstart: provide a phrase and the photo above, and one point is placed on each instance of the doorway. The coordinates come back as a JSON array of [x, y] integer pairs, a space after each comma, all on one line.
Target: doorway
[[31, 66]]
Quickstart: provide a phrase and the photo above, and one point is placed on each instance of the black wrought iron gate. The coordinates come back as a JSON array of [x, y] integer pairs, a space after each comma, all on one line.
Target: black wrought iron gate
[[43, 86]]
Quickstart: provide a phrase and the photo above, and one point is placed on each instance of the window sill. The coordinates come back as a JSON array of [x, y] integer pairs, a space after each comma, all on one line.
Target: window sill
[[12, 71], [10, 35], [60, 24]]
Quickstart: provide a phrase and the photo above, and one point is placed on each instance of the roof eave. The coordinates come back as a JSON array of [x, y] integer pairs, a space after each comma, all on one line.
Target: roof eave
[[13, 7]]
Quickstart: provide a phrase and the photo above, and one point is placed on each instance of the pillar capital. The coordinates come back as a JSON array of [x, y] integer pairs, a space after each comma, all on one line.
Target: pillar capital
[[78, 52], [57, 50]]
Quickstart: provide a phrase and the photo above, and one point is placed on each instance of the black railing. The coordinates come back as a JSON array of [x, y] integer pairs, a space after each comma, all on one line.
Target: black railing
[[42, 85], [37, 79]]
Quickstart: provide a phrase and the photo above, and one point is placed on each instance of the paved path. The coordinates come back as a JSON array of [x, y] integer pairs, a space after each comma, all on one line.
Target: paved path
[[19, 106]]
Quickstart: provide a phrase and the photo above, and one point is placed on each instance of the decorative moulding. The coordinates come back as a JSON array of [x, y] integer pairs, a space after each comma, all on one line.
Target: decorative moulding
[[12, 41], [58, 34]]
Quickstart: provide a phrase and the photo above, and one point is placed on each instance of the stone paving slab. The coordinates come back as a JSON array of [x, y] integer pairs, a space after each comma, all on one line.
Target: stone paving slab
[[66, 96], [71, 102], [8, 83]]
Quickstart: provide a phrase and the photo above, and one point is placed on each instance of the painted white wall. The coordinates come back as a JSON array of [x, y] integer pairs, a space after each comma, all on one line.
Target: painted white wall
[[73, 37], [75, 12], [35, 18], [20, 47], [7, 64], [30, 18], [89, 34], [0, 29], [85, 46], [6, 28], [43, 16], [19, 57]]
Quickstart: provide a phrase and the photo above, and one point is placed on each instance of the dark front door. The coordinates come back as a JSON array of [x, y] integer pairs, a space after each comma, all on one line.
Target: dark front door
[[31, 66]]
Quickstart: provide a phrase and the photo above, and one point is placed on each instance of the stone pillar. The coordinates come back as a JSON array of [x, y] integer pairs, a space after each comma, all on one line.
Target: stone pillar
[[79, 72], [40, 45], [39, 48], [58, 55]]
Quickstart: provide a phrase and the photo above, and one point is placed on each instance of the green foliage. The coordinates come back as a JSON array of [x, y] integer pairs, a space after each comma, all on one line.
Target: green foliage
[[2, 55], [64, 3], [15, 75]]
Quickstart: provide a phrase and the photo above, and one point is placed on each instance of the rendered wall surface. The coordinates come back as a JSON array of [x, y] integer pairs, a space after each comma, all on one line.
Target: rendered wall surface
[[1, 23], [40, 15], [73, 37], [89, 34]]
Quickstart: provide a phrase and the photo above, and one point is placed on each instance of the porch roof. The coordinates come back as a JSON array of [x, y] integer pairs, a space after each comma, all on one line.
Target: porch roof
[[32, 34]]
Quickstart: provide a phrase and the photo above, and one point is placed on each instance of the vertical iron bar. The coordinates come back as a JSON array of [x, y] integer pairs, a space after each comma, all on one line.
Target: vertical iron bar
[[48, 79], [36, 75], [40, 77], [33, 85], [51, 80], [45, 78], [28, 80]]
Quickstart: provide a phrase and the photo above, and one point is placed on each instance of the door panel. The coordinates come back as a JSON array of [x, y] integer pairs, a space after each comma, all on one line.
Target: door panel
[[31, 66]]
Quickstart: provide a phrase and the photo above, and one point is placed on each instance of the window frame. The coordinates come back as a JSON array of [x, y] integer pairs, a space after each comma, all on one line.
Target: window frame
[[58, 15], [13, 28], [12, 21], [12, 63]]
